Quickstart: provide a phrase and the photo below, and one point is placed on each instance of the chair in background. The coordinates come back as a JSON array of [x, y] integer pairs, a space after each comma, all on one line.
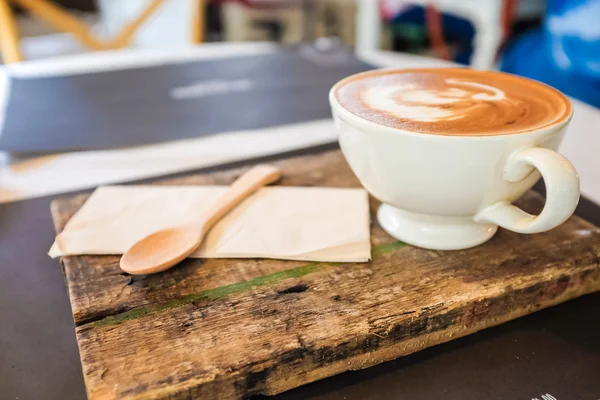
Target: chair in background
[[61, 20], [288, 21], [260, 20], [178, 23], [9, 36], [490, 18]]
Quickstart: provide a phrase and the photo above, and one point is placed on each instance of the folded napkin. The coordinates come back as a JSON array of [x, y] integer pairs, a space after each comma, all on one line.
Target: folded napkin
[[293, 223]]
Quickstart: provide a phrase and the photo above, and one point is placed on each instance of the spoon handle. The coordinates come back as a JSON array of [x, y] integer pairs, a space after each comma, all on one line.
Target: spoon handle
[[244, 186]]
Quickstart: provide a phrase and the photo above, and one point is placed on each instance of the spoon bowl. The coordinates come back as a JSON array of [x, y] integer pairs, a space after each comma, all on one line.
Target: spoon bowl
[[161, 250]]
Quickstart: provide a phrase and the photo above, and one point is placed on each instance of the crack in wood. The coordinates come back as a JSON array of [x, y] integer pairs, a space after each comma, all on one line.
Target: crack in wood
[[294, 289]]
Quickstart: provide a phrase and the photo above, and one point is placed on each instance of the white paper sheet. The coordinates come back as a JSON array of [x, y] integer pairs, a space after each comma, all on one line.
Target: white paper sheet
[[292, 223]]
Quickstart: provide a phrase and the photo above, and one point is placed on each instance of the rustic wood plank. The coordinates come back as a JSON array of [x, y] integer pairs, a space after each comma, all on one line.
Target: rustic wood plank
[[98, 288], [233, 328]]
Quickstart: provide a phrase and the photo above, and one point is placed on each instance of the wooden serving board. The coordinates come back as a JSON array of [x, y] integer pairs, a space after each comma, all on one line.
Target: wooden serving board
[[234, 328]]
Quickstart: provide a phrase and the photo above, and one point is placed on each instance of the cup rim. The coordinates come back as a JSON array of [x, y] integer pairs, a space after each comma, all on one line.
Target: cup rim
[[561, 123]]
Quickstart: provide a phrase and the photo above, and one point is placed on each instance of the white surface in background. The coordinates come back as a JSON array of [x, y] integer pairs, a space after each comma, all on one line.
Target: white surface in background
[[127, 58], [60, 173], [581, 146], [52, 174], [401, 60]]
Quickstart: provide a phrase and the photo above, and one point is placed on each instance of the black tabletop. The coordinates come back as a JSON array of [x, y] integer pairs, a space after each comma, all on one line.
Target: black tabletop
[[552, 354]]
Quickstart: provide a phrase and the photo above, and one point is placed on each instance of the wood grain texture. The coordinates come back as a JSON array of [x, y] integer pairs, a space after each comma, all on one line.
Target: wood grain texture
[[234, 328]]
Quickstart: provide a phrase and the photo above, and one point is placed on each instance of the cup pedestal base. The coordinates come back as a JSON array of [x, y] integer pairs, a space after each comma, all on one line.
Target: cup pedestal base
[[433, 232]]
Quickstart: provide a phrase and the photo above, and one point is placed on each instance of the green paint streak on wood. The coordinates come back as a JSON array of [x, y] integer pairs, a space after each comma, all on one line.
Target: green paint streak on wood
[[210, 294], [387, 248], [224, 291]]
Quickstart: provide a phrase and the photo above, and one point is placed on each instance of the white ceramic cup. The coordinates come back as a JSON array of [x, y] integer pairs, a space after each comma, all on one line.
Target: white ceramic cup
[[452, 192]]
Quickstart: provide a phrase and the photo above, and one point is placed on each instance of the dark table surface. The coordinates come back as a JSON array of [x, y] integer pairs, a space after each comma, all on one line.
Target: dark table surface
[[552, 354]]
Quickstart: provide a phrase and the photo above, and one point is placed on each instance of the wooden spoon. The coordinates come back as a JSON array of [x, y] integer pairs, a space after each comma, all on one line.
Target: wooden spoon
[[161, 250]]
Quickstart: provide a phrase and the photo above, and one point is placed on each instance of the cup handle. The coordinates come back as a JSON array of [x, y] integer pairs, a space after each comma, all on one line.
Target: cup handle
[[562, 192]]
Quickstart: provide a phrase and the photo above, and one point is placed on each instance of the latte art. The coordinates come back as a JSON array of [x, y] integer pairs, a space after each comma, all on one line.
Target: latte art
[[455, 101], [452, 101]]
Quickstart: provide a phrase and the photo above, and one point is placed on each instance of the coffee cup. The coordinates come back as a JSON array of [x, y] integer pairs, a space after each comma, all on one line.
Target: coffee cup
[[447, 151]]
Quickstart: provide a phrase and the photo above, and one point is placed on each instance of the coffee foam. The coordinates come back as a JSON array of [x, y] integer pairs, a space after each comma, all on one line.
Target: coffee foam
[[452, 101]]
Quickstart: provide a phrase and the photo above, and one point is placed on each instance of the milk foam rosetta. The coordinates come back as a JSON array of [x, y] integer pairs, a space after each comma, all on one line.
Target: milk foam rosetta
[[452, 101]]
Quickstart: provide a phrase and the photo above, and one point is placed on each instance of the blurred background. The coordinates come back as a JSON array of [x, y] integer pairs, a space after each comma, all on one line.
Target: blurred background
[[96, 92], [555, 41]]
